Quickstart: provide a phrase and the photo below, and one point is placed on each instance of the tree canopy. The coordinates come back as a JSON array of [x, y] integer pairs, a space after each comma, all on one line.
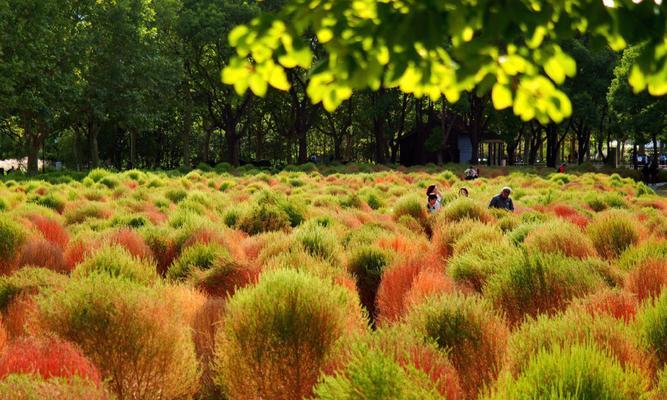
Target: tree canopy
[[444, 48]]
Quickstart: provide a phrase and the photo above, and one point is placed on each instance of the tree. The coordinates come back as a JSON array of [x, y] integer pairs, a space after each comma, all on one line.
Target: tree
[[37, 68], [640, 114], [434, 48]]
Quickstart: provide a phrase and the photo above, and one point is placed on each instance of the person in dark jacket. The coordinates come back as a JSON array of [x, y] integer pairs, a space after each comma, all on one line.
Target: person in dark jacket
[[503, 200]]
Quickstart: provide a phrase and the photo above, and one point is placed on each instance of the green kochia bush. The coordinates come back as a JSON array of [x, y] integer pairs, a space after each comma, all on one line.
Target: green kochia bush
[[12, 236], [367, 264], [319, 241], [651, 325], [373, 375], [612, 232], [116, 262], [411, 205], [198, 256], [277, 335], [35, 387], [577, 372], [135, 337], [540, 284], [469, 331], [28, 279]]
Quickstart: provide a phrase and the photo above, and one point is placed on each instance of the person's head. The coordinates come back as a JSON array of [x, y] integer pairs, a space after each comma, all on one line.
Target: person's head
[[463, 192], [430, 190], [505, 193], [432, 199]]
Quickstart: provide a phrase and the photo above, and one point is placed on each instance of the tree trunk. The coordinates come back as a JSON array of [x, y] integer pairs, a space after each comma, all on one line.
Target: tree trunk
[[233, 143], [33, 146], [133, 148], [303, 148]]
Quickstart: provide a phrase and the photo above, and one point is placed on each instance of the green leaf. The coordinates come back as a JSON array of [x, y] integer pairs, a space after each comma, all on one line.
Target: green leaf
[[278, 78], [258, 85], [501, 96]]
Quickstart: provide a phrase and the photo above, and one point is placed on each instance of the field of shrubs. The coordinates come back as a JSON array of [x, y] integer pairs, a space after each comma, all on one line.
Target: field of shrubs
[[337, 285]]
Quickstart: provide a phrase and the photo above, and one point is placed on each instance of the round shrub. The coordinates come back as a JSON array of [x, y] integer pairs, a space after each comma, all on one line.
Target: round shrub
[[465, 208], [116, 262], [473, 268], [576, 327], [648, 279], [97, 174], [51, 200], [27, 280], [319, 242], [540, 284], [650, 250], [264, 218], [519, 234], [367, 264], [612, 232], [560, 237], [12, 237], [35, 387], [576, 372], [131, 241], [224, 277], [371, 374], [41, 253], [51, 230], [288, 319], [619, 304], [446, 234], [48, 357], [411, 205], [472, 334], [651, 324], [199, 256], [130, 333], [477, 235], [176, 195], [80, 214]]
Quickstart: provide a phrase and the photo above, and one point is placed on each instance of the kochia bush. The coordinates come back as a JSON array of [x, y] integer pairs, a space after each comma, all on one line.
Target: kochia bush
[[131, 335], [278, 335], [612, 232]]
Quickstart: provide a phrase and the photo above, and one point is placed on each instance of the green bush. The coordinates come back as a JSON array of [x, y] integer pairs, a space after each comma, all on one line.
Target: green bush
[[465, 208], [540, 284], [651, 325], [560, 237], [136, 338], [116, 262], [89, 210], [469, 331], [176, 195], [198, 256], [575, 327], [475, 266], [35, 387], [372, 375], [635, 256], [519, 234], [290, 319], [28, 280], [12, 237], [319, 242], [97, 174], [367, 264], [110, 181], [612, 232], [50, 200], [576, 372], [411, 205], [264, 218]]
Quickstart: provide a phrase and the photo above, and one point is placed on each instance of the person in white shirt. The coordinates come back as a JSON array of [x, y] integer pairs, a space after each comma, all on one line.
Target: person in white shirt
[[470, 173], [434, 199]]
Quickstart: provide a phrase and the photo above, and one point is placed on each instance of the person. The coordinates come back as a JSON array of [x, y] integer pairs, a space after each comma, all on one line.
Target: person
[[470, 173], [646, 172], [503, 200], [561, 169], [433, 199], [463, 192], [654, 171]]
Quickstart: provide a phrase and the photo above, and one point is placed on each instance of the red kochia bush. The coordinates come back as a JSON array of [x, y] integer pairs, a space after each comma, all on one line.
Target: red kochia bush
[[41, 253], [51, 230], [648, 279], [77, 251], [48, 357], [398, 281], [619, 304], [132, 242]]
